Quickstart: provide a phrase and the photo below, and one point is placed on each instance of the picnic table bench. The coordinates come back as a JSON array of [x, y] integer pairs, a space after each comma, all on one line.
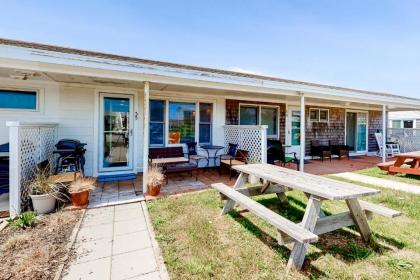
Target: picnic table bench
[[279, 180], [412, 159]]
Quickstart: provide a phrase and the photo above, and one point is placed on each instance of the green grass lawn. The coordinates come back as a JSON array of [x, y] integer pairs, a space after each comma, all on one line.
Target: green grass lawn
[[198, 243], [376, 172]]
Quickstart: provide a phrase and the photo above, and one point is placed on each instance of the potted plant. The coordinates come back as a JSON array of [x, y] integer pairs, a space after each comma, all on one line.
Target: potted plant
[[44, 191], [79, 191], [155, 179]]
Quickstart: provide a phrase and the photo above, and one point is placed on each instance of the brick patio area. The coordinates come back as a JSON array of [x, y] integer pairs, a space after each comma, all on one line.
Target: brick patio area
[[182, 182]]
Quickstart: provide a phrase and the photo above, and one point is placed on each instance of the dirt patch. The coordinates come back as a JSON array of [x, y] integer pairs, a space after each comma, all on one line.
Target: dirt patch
[[36, 253]]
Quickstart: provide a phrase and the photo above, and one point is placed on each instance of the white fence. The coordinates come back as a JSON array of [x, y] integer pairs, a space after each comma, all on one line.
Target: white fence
[[30, 144], [408, 138], [252, 138]]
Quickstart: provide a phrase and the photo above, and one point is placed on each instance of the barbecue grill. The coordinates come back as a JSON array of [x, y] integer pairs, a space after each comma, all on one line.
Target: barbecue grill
[[71, 155]]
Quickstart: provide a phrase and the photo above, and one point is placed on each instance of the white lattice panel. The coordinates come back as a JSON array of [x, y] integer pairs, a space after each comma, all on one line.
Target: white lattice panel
[[250, 138], [408, 138], [30, 144]]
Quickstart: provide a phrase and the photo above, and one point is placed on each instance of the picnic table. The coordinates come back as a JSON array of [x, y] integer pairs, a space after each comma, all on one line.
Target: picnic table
[[279, 180], [412, 159]]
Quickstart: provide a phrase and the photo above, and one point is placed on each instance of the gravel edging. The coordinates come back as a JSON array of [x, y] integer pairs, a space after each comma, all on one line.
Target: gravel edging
[[70, 245], [158, 254]]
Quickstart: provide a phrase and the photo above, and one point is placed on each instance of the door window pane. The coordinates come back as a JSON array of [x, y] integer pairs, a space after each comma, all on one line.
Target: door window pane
[[13, 99], [205, 128], [248, 115], [181, 122], [361, 131], [157, 123], [295, 132], [269, 118], [116, 131]]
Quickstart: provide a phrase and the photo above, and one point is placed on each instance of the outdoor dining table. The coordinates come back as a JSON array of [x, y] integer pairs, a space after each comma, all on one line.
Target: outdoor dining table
[[215, 149], [413, 158], [278, 180]]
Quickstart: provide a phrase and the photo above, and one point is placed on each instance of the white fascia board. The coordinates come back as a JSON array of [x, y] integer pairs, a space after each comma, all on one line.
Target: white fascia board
[[153, 72]]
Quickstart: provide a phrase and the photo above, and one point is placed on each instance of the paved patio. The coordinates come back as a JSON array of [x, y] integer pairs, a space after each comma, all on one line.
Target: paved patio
[[113, 193], [116, 192], [116, 242]]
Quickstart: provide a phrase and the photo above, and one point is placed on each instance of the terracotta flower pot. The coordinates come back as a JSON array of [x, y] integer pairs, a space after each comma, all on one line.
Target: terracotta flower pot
[[80, 199], [153, 190]]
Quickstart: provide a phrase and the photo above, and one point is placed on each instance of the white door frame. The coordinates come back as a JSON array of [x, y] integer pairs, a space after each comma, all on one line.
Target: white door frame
[[132, 143], [367, 130], [288, 131]]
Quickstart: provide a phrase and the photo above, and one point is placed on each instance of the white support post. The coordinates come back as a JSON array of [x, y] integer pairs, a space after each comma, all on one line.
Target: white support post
[[14, 172], [264, 144], [384, 133], [145, 135], [302, 133]]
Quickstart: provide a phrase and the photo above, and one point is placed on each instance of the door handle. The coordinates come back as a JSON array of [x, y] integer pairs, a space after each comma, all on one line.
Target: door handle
[[131, 132]]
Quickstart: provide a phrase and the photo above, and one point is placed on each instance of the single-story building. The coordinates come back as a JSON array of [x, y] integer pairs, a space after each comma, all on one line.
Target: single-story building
[[404, 119], [120, 106]]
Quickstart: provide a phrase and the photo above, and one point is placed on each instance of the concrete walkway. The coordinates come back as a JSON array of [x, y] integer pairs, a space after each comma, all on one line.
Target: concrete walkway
[[411, 188], [116, 242]]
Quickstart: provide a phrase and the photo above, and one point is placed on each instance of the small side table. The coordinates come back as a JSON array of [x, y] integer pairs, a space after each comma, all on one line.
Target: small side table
[[212, 148]]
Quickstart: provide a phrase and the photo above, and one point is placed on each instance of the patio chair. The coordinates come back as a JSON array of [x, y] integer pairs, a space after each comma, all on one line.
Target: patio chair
[[230, 153], [192, 152], [339, 149], [392, 148], [276, 153], [319, 150], [240, 158]]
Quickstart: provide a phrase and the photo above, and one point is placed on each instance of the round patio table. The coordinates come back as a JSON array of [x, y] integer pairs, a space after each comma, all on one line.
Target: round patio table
[[213, 157]]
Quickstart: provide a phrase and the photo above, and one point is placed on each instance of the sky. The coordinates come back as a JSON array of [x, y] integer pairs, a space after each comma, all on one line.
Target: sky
[[372, 45]]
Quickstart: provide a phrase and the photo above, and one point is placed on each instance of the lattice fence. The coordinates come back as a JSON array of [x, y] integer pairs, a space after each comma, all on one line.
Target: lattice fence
[[30, 144], [408, 138], [252, 138]]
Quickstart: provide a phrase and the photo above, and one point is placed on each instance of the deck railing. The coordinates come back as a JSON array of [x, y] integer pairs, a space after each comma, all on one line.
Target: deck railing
[[30, 144], [252, 138], [408, 138]]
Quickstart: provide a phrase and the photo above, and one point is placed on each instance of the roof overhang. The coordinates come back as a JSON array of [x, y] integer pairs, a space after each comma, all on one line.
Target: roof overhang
[[82, 65]]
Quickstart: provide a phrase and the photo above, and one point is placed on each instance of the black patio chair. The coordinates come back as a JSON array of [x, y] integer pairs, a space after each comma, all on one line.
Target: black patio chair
[[318, 150], [240, 158], [276, 153], [230, 154], [192, 152]]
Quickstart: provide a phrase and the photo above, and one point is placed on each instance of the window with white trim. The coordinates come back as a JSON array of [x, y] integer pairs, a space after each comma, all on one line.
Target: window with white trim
[[176, 122], [18, 99], [205, 126], [319, 115], [260, 115], [157, 123]]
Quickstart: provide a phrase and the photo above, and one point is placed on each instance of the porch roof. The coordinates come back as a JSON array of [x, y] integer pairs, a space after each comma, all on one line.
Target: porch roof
[[56, 59]]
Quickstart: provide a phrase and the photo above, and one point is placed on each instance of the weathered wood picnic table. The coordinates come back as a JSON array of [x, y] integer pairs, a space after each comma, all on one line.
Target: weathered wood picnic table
[[412, 159], [279, 180]]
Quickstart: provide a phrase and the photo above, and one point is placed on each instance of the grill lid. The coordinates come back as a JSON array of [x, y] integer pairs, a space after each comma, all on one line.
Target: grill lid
[[69, 144]]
